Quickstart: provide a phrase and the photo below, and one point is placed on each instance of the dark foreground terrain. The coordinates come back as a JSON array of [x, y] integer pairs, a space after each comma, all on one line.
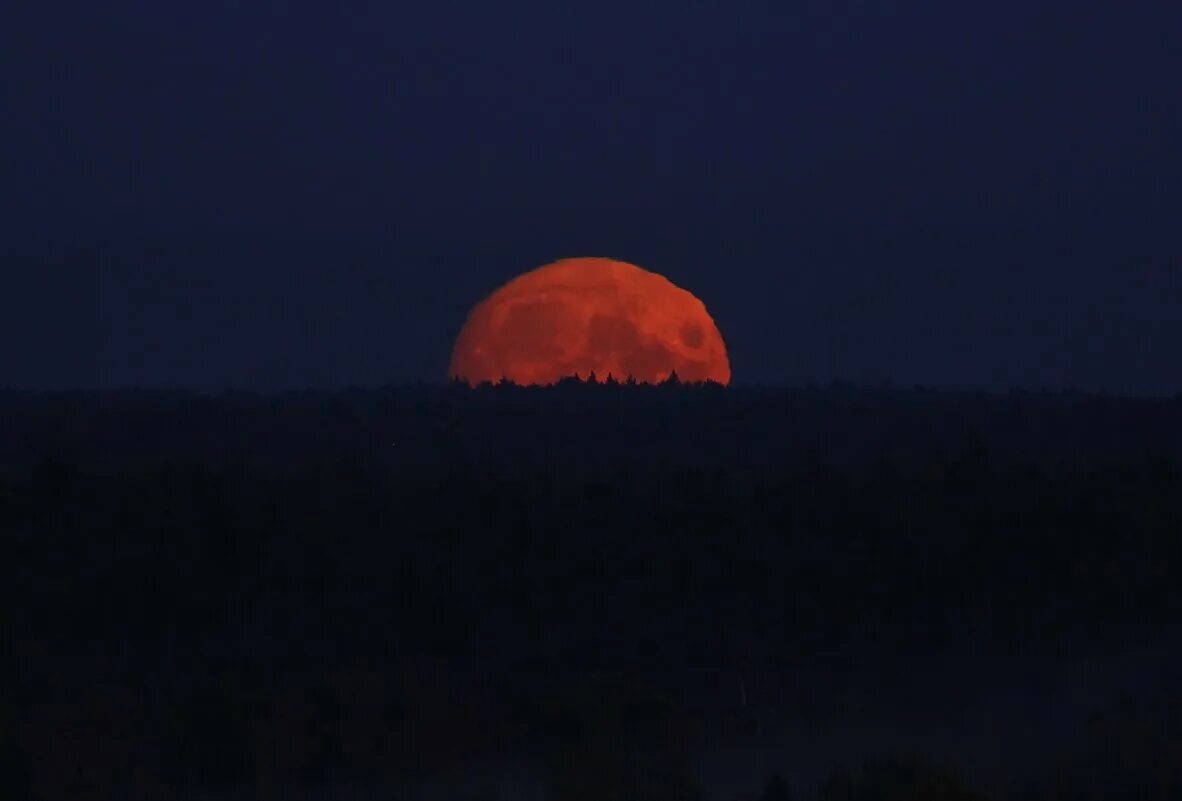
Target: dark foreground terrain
[[589, 593]]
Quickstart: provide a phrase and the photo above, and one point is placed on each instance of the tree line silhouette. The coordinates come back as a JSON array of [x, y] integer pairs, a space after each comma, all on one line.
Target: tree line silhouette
[[205, 593]]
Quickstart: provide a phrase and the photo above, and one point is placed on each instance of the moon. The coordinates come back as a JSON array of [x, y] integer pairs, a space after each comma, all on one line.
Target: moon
[[584, 315]]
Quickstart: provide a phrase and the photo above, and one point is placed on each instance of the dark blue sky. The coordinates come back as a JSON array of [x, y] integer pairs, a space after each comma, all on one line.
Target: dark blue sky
[[288, 194]]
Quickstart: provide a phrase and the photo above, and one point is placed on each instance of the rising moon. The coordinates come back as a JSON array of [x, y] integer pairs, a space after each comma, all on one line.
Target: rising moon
[[584, 315]]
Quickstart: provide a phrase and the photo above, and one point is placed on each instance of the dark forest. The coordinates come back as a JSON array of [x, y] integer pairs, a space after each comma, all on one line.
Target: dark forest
[[380, 593]]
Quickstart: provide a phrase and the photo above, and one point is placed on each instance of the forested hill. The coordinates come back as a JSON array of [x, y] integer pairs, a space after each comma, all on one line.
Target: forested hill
[[577, 426]]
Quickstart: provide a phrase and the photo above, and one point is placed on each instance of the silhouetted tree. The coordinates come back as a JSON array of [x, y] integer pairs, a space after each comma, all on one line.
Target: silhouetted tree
[[776, 789], [610, 737], [838, 786], [897, 779], [1130, 751]]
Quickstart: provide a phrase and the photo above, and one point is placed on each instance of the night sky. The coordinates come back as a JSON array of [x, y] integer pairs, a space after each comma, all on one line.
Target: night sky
[[272, 195]]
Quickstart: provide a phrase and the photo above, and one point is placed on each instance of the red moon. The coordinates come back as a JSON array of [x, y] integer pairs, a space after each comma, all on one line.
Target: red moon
[[578, 316]]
